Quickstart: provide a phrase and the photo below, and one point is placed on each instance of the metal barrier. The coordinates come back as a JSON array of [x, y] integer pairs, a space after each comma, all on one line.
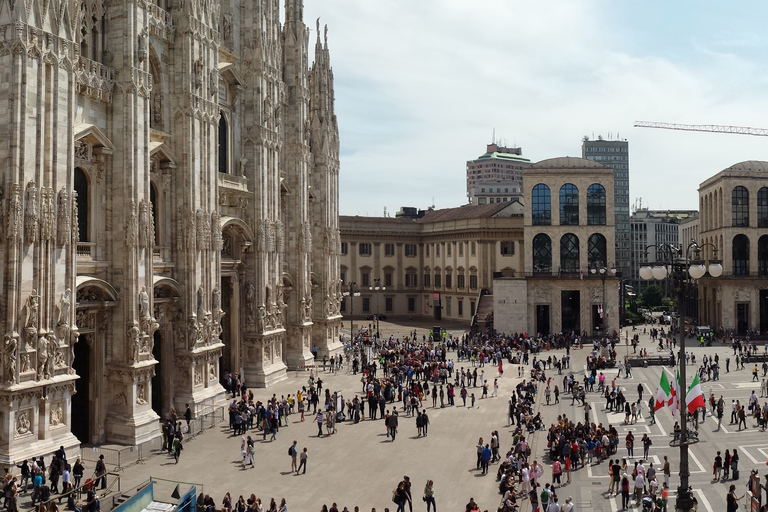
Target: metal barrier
[[163, 489], [119, 458]]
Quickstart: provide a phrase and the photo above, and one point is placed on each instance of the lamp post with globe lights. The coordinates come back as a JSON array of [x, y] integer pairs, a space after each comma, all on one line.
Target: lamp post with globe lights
[[377, 287], [597, 267], [682, 268], [352, 291]]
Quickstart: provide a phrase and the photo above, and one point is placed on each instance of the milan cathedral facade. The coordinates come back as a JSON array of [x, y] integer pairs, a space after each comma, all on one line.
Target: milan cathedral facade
[[169, 211]]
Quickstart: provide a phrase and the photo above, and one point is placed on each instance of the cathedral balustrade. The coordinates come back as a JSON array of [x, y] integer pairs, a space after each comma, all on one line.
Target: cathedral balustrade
[[86, 250], [160, 23], [94, 80]]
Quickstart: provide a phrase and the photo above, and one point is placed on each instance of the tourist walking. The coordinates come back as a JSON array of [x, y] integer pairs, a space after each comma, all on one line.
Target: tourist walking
[[429, 496], [303, 462]]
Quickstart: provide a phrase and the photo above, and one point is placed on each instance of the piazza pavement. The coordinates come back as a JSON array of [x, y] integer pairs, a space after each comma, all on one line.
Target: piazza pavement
[[360, 466]]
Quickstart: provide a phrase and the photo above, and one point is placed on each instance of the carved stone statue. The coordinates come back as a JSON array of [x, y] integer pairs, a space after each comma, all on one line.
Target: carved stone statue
[[193, 332], [200, 303], [241, 166], [141, 394], [134, 335], [57, 416], [31, 214], [33, 309], [144, 303], [250, 298], [64, 307], [216, 299], [11, 355]]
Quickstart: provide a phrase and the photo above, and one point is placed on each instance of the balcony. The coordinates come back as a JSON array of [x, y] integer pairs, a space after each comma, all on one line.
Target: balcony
[[86, 251], [94, 80]]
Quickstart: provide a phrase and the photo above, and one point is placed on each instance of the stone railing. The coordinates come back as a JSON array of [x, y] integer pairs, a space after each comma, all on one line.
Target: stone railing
[[94, 80], [86, 250], [160, 23]]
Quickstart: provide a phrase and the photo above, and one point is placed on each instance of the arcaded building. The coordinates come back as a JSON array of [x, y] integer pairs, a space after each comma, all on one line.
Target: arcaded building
[[169, 211], [568, 231], [734, 219]]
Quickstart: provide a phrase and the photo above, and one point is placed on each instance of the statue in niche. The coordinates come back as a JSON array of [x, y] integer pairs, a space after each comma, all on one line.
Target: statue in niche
[[216, 299], [134, 336], [250, 298], [59, 359], [57, 416], [64, 307], [51, 346], [24, 363], [200, 303], [141, 394], [226, 26], [241, 167], [193, 331], [23, 425], [157, 108], [144, 303], [11, 355], [33, 309], [42, 356]]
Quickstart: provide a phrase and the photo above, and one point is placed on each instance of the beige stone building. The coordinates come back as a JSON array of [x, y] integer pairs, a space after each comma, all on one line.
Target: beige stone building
[[441, 260], [734, 219], [568, 231], [169, 211]]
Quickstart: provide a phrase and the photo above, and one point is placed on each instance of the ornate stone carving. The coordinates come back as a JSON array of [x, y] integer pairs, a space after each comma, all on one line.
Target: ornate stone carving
[[307, 237], [542, 294], [201, 218], [212, 371], [216, 299], [279, 235], [75, 212], [193, 332], [151, 226], [216, 240], [31, 214], [14, 214], [46, 214], [197, 69], [119, 399], [191, 233], [131, 226], [64, 219], [198, 375], [58, 360], [23, 424], [180, 229]]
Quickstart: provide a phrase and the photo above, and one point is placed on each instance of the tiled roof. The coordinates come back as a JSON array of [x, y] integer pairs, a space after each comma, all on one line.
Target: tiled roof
[[468, 211]]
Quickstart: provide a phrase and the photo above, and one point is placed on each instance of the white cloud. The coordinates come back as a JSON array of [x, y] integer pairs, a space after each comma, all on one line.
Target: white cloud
[[420, 86]]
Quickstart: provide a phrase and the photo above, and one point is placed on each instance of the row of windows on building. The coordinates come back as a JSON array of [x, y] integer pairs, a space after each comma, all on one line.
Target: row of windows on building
[[596, 149], [740, 253], [740, 207], [506, 248], [569, 252], [541, 205], [389, 305], [436, 276]]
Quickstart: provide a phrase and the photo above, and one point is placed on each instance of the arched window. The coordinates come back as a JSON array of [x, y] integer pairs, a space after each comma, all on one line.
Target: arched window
[[541, 205], [740, 207], [542, 253], [81, 187], [762, 208], [762, 256], [223, 144], [596, 205], [569, 253], [569, 205], [596, 249], [155, 212], [740, 255]]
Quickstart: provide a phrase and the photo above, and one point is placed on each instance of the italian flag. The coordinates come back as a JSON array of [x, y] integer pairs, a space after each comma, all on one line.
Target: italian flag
[[695, 397], [663, 393], [674, 400]]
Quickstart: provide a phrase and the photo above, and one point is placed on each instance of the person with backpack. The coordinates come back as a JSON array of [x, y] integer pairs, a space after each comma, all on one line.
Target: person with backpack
[[177, 447], [101, 472], [292, 451]]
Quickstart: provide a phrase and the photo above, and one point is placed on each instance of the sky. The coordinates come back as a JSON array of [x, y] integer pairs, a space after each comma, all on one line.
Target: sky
[[421, 86]]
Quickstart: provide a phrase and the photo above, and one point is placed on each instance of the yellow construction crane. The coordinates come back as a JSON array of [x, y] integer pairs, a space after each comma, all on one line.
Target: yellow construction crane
[[713, 128]]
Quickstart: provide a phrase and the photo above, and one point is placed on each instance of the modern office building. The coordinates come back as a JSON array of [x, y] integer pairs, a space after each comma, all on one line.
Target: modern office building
[[496, 176], [734, 219], [615, 154], [652, 227]]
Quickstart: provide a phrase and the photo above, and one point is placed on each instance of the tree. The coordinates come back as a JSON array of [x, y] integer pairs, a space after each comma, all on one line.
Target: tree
[[653, 296]]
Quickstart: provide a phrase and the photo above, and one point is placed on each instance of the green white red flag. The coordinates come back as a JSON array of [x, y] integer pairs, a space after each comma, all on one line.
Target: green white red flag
[[694, 399], [663, 393], [674, 400]]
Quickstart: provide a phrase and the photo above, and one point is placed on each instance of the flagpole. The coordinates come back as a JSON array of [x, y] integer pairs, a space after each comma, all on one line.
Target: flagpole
[[684, 501]]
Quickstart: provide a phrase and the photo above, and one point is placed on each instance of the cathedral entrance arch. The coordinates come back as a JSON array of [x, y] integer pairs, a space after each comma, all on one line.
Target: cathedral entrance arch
[[237, 240], [169, 319], [94, 299]]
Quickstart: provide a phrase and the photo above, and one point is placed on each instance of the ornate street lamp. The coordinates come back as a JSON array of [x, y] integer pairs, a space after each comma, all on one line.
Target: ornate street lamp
[[595, 268], [377, 287], [352, 291], [682, 268]]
